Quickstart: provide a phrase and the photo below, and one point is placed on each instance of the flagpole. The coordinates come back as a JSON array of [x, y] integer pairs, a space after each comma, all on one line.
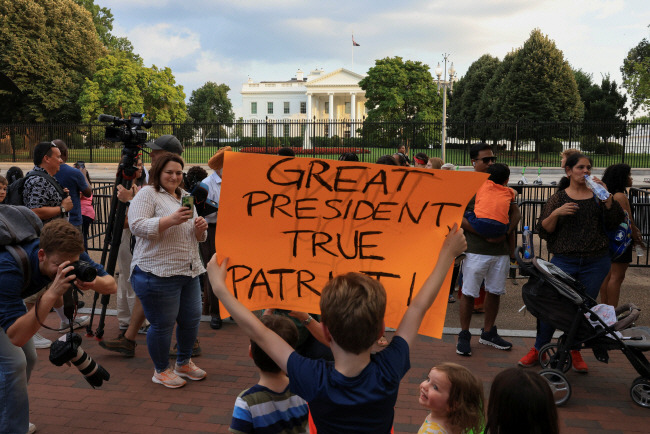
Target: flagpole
[[352, 68]]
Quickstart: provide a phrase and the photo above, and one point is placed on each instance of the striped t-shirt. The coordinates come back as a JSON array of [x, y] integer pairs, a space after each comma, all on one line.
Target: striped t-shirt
[[263, 411]]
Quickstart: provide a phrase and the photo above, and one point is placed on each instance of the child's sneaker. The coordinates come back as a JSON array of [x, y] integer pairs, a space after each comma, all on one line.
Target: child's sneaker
[[190, 371], [530, 359], [463, 347], [168, 379], [78, 322], [493, 339]]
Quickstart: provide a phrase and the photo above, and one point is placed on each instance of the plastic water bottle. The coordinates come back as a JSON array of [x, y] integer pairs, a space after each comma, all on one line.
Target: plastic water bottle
[[523, 180], [639, 250], [600, 191], [527, 243]]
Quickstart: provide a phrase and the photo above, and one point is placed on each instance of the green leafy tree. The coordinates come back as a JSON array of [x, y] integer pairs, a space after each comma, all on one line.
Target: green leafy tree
[[468, 91], [48, 48], [103, 21], [210, 105], [605, 106], [121, 86], [636, 75], [400, 91], [540, 87]]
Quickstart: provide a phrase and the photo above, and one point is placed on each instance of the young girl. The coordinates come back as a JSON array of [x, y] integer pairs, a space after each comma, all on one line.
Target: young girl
[[454, 398]]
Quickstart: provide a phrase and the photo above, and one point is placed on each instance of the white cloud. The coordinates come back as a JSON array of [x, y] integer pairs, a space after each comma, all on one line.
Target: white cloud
[[162, 43]]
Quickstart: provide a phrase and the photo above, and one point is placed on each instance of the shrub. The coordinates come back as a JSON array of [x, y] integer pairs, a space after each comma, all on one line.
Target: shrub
[[550, 145], [589, 143], [609, 148]]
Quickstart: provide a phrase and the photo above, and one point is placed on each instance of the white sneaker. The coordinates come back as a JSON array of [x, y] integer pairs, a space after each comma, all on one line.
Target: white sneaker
[[41, 342], [31, 429], [80, 321]]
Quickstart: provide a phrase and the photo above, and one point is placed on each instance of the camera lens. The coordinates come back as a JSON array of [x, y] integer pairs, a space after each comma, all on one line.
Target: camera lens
[[84, 271]]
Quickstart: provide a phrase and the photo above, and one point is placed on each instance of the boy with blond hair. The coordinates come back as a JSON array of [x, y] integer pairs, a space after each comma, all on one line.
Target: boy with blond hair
[[356, 393]]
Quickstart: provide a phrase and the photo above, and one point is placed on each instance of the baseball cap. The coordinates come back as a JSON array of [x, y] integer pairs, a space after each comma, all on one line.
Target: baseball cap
[[167, 143]]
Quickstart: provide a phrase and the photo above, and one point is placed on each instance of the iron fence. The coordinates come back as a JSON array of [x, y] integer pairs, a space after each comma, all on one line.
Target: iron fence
[[516, 143]]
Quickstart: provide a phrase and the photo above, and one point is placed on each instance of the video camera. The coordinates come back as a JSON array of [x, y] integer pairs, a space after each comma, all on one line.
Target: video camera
[[68, 349], [132, 134]]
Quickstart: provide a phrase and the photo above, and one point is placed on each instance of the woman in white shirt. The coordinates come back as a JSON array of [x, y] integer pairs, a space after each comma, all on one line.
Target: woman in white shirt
[[166, 267]]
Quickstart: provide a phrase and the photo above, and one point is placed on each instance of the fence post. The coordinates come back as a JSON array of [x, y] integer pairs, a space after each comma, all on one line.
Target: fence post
[[90, 143], [624, 142]]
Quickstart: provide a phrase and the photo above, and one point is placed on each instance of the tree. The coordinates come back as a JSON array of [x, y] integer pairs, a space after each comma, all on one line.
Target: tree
[[636, 75], [539, 86], [604, 106], [468, 91], [121, 86], [400, 91], [48, 48], [103, 21], [210, 104]]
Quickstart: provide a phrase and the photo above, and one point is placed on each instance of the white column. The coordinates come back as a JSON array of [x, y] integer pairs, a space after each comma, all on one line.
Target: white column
[[353, 113], [307, 141], [331, 116]]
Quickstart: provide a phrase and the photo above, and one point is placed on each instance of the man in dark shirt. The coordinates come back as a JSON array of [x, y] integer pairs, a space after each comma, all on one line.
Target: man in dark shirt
[[75, 181], [49, 259], [39, 194]]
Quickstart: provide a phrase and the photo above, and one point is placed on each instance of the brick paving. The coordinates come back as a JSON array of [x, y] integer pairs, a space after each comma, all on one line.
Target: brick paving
[[62, 402]]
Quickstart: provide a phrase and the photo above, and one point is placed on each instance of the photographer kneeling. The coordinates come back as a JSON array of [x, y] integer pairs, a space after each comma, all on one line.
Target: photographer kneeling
[[48, 260]]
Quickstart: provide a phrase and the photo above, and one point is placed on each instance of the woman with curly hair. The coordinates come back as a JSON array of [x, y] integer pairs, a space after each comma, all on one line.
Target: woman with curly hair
[[618, 178]]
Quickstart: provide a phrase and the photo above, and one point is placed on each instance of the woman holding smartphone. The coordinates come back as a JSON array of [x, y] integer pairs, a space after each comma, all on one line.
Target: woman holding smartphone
[[166, 267]]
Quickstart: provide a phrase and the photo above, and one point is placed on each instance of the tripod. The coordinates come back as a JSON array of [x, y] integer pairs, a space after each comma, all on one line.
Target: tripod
[[115, 227]]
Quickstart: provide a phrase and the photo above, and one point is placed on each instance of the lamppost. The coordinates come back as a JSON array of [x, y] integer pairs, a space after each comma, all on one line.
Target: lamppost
[[446, 83]]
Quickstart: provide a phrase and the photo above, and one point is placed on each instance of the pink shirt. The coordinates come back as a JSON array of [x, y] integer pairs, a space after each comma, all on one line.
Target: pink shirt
[[87, 206]]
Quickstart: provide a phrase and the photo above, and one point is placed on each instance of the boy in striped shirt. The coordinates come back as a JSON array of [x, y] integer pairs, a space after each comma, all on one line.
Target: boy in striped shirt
[[269, 406]]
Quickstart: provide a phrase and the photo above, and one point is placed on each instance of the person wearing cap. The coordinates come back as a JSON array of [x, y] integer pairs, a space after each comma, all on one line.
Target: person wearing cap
[[208, 248]]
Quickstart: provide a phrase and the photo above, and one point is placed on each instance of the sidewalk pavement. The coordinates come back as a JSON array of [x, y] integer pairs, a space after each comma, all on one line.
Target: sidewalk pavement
[[61, 401]]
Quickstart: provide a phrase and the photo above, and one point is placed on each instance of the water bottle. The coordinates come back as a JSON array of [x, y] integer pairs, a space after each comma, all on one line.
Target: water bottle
[[527, 243], [523, 180], [639, 250], [600, 191]]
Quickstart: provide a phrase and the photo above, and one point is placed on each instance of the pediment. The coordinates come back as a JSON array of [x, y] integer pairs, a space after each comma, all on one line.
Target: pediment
[[340, 77]]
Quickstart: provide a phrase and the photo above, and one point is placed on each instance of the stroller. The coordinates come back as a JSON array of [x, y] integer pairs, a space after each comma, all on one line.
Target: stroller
[[558, 299]]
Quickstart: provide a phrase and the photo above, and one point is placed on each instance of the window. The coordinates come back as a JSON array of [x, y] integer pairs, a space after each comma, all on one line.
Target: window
[[286, 130], [254, 130], [269, 108], [303, 107], [327, 108], [253, 108], [347, 108], [286, 107]]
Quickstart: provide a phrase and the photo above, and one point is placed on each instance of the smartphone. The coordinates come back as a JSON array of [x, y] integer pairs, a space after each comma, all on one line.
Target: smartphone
[[188, 201], [80, 164]]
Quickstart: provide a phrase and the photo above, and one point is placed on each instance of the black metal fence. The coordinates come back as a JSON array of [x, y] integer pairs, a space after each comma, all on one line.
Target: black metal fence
[[516, 143]]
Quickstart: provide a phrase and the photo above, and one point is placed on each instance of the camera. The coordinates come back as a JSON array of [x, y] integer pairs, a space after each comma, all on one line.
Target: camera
[[84, 271], [132, 134], [68, 349]]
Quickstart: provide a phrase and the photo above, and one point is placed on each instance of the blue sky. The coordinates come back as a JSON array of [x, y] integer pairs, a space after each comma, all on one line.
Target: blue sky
[[228, 41]]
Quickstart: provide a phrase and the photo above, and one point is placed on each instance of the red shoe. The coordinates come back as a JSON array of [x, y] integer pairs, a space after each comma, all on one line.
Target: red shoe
[[579, 365], [530, 359]]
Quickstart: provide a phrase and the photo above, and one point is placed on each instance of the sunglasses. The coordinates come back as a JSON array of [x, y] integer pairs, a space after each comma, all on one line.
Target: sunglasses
[[487, 160]]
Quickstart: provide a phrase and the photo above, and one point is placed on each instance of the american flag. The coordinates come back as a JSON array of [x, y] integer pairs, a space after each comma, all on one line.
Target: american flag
[[354, 44]]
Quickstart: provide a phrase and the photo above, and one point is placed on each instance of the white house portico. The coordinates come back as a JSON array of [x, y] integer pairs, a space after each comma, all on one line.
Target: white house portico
[[321, 97]]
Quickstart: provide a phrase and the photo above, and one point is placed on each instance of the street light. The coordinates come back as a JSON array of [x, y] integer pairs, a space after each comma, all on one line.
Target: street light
[[446, 83]]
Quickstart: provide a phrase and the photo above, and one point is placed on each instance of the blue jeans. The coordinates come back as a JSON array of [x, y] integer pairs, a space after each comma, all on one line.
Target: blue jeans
[[16, 366], [589, 271], [168, 301]]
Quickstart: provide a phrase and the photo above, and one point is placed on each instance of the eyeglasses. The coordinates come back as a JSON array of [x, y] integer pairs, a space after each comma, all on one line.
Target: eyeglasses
[[487, 160]]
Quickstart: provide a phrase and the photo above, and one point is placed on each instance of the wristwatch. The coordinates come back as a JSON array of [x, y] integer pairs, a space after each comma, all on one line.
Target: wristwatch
[[63, 211], [307, 320]]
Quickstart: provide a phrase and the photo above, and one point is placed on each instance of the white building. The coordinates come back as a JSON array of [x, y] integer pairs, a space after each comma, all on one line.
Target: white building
[[334, 98]]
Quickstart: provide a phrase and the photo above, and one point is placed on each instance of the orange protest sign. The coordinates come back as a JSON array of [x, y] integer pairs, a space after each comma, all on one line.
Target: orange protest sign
[[289, 224]]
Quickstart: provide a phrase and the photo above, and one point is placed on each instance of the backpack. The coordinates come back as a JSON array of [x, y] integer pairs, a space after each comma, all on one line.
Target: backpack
[[18, 226], [620, 238], [16, 188]]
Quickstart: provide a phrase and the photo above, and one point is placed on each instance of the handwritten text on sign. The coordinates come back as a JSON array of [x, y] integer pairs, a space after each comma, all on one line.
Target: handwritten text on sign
[[289, 224]]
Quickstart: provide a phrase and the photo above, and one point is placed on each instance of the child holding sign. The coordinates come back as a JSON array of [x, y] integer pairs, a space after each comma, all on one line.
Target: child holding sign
[[358, 392]]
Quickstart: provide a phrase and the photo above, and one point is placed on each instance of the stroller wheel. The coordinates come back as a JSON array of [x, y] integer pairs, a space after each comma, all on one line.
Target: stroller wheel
[[549, 358], [559, 385], [640, 392]]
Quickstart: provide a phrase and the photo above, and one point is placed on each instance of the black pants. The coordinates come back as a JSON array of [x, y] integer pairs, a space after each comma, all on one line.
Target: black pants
[[207, 249]]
